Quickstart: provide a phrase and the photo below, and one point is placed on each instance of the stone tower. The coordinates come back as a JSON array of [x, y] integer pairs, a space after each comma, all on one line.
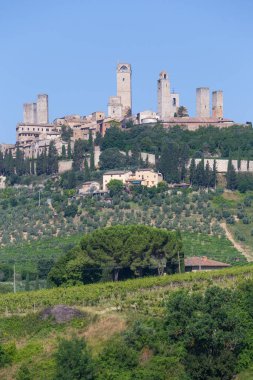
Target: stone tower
[[217, 104], [203, 102], [30, 113], [163, 96], [115, 107], [124, 87], [42, 109]]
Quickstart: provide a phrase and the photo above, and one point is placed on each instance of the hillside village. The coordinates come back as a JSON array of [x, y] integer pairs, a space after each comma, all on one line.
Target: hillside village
[[126, 217]]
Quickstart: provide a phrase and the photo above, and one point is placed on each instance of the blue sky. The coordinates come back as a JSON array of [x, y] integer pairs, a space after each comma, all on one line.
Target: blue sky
[[69, 49]]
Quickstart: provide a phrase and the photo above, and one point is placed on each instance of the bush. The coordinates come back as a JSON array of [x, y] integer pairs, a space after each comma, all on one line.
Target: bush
[[73, 361], [71, 211], [245, 220], [24, 373], [6, 354]]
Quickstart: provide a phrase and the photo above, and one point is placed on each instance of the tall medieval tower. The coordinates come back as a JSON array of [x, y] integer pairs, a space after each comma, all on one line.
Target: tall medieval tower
[[124, 87], [217, 104], [203, 102], [42, 109], [163, 96]]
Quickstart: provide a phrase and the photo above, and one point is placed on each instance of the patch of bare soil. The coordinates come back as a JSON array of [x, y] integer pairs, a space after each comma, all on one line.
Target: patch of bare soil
[[238, 246]]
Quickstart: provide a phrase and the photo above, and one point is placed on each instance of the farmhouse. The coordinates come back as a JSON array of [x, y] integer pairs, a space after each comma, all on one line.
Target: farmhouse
[[195, 263]]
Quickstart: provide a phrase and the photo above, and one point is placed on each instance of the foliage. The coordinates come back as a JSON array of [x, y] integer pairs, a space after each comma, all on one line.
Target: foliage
[[111, 159], [73, 361], [94, 294], [219, 142], [124, 250], [115, 187], [213, 330]]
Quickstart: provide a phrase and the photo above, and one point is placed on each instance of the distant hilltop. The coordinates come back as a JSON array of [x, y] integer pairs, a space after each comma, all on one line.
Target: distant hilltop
[[34, 133]]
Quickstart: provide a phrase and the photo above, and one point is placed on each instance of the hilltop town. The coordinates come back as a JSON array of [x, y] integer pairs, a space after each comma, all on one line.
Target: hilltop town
[[34, 133]]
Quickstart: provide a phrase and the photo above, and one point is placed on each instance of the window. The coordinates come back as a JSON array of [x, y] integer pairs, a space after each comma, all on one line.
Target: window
[[123, 68], [164, 76], [174, 101], [123, 79]]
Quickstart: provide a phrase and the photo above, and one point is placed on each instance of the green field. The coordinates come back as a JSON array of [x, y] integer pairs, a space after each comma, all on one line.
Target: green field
[[109, 308]]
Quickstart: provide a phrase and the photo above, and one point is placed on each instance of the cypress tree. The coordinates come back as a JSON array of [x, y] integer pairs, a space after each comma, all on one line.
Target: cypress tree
[[184, 158], [208, 175], [8, 163], [192, 171], [63, 152], [169, 162], [27, 282], [239, 159], [52, 159], [92, 160], [32, 166], [231, 176], [86, 171], [90, 141], [20, 162], [1, 163], [69, 153], [214, 175], [200, 174]]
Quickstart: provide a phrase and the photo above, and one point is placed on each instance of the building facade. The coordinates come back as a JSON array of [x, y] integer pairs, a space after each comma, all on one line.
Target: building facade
[[217, 104], [203, 102]]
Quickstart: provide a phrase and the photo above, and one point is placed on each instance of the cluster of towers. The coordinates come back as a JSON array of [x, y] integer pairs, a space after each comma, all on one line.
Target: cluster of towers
[[203, 103], [37, 113], [120, 106]]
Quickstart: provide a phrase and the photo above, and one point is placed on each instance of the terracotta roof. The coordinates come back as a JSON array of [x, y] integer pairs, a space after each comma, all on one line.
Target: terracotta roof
[[204, 120], [203, 261], [112, 172]]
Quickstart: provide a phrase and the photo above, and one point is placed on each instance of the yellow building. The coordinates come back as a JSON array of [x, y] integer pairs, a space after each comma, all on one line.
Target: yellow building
[[121, 175], [147, 177], [144, 177]]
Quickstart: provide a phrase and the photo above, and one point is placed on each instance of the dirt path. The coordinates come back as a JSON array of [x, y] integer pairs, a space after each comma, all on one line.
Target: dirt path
[[244, 251]]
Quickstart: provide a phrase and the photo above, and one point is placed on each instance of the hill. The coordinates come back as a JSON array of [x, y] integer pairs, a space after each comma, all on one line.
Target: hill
[[109, 310]]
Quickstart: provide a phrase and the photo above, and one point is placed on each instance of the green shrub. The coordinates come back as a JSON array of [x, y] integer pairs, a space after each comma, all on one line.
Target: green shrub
[[73, 361]]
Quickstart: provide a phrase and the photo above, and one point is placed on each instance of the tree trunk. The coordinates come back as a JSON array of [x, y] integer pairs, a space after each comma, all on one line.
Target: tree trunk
[[116, 274]]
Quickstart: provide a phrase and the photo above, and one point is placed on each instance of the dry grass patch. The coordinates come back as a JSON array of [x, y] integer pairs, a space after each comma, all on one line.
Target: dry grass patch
[[103, 329], [231, 196]]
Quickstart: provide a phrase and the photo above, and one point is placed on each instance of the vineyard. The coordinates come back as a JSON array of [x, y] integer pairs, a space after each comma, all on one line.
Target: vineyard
[[108, 309], [145, 294]]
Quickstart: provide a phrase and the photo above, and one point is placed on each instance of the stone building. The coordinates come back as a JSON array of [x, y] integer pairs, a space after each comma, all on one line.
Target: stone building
[[217, 104], [124, 87], [30, 113], [203, 102], [42, 109], [168, 102], [120, 106], [174, 98], [144, 177], [115, 109], [147, 117], [163, 96]]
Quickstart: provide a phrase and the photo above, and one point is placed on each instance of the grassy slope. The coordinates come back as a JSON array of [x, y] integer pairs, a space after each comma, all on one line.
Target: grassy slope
[[107, 309]]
